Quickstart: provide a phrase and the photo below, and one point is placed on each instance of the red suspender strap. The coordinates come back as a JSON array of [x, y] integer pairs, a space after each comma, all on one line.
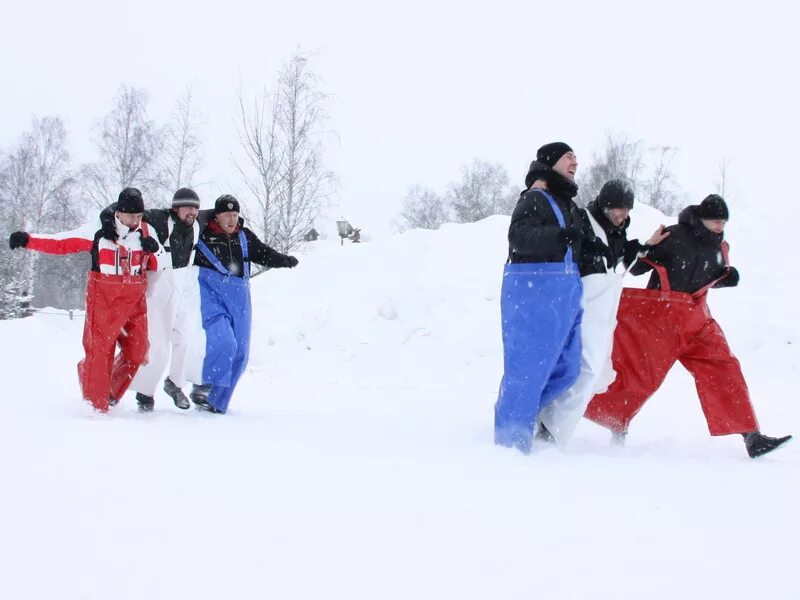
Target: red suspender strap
[[662, 274]]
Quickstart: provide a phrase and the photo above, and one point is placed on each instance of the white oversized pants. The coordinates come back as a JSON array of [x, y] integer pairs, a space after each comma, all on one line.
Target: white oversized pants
[[167, 298], [601, 295]]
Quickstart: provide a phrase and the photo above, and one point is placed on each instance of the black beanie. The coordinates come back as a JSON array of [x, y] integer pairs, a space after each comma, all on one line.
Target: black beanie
[[130, 201], [226, 203], [616, 193], [550, 153], [185, 197], [713, 207]]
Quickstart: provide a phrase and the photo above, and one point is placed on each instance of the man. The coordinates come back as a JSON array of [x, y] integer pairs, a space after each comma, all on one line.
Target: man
[[116, 309], [676, 324], [541, 295], [224, 253], [609, 217], [178, 229]]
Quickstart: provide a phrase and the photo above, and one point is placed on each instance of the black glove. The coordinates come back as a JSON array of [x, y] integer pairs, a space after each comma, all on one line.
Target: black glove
[[570, 235], [597, 247], [149, 244], [731, 280], [290, 262], [18, 239], [108, 228]]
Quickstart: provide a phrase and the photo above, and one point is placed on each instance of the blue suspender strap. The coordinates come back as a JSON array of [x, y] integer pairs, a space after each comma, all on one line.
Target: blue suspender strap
[[212, 258], [560, 216], [245, 255]]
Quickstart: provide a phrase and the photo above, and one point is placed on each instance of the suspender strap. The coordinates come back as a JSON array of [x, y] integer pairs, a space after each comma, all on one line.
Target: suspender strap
[[212, 258], [560, 217], [217, 264], [664, 281], [245, 254]]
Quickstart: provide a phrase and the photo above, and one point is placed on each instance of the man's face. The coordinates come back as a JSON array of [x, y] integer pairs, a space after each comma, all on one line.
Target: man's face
[[130, 220], [228, 221], [617, 216], [567, 165], [715, 225], [187, 214]]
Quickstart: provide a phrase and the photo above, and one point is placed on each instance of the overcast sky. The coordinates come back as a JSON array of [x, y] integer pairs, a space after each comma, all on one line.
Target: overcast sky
[[421, 88]]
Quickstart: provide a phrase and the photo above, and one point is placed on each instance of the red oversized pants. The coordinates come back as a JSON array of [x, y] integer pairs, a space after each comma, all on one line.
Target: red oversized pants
[[655, 328], [116, 314]]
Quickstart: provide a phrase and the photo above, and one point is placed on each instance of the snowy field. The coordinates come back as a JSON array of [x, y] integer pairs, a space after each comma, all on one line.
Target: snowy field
[[357, 460]]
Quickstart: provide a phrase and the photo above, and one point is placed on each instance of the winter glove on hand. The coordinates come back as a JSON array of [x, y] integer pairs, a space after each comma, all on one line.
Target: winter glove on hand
[[149, 244], [108, 228], [290, 262], [731, 280], [597, 247], [570, 235], [18, 239]]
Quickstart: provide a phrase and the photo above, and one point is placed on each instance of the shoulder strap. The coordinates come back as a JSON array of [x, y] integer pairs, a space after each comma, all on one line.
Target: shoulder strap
[[662, 273], [215, 262], [195, 238], [560, 217], [245, 255]]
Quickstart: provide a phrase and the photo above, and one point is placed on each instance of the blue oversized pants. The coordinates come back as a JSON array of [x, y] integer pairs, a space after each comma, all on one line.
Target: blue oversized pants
[[227, 315], [541, 316]]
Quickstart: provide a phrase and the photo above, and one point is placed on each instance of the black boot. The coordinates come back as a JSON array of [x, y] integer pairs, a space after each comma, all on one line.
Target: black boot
[[543, 435], [199, 396], [146, 403], [758, 444], [176, 393]]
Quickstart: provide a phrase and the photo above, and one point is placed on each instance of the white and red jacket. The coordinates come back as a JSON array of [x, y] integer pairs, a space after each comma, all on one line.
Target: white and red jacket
[[123, 257]]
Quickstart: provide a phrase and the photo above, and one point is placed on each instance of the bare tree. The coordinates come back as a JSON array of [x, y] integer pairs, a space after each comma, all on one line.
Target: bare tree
[[130, 145], [482, 191], [36, 189], [422, 209], [257, 131], [305, 182], [660, 189], [282, 137], [181, 157], [620, 158], [722, 182]]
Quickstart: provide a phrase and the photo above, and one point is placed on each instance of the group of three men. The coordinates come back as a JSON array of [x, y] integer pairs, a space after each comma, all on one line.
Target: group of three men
[[194, 305], [577, 343]]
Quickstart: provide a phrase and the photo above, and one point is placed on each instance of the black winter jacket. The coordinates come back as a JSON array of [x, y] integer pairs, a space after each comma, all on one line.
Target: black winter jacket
[[181, 241], [229, 251], [622, 249], [534, 234], [691, 254]]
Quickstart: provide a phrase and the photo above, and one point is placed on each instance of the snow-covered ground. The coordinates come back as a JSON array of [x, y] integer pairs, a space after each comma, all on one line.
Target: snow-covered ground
[[357, 458]]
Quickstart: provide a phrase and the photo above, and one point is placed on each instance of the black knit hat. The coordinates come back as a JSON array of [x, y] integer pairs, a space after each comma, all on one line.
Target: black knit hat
[[616, 193], [130, 201], [713, 207], [226, 203], [550, 153], [185, 197]]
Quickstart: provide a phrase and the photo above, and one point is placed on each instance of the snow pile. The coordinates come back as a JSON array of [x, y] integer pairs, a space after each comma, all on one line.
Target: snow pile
[[357, 460]]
